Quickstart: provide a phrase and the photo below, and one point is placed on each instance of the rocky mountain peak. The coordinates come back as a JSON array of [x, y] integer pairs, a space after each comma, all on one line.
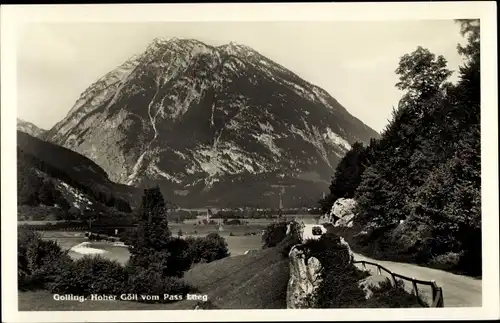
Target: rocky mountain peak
[[199, 119]]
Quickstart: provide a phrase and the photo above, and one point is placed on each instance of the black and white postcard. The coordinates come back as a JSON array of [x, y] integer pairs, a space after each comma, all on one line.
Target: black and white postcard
[[213, 162]]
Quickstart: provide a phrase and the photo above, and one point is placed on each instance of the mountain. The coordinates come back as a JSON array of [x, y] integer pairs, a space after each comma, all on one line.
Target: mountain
[[30, 128], [222, 126], [51, 175]]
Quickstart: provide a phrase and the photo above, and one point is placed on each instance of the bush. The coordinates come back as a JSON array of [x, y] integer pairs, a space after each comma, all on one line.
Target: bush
[[179, 259], [207, 249], [91, 275], [214, 247], [173, 260], [286, 245], [389, 296], [274, 234], [151, 282], [446, 261], [39, 261]]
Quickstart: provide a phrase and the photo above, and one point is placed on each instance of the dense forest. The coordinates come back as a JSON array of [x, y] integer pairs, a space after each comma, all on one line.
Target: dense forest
[[418, 187]]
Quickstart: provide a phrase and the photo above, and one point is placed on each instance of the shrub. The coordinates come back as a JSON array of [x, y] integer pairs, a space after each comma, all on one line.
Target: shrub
[[151, 282], [179, 259], [39, 261], [207, 249], [286, 245], [214, 247], [446, 261], [274, 234], [389, 296], [91, 275], [173, 260]]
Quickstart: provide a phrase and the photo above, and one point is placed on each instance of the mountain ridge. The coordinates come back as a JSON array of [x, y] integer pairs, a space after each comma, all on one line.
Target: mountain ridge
[[30, 128]]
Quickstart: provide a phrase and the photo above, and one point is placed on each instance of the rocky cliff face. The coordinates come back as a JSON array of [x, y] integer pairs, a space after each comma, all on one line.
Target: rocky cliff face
[[211, 124]]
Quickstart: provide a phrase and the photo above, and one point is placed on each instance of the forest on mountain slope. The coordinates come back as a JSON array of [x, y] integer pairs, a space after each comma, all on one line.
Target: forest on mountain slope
[[43, 166], [418, 187]]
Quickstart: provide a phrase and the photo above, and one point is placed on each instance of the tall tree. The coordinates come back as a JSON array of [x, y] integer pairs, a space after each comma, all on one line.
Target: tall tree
[[153, 207], [152, 232], [421, 75]]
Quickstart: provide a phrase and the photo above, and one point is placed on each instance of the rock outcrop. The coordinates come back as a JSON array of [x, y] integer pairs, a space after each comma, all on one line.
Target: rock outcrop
[[343, 210], [341, 213], [305, 279]]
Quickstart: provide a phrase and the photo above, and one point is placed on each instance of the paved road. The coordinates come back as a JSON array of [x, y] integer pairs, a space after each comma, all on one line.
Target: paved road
[[458, 291]]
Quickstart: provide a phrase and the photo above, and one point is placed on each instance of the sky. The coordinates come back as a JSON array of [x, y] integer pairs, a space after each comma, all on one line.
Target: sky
[[353, 61]]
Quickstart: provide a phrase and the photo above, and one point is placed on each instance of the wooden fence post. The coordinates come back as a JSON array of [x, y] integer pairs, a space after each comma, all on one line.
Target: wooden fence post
[[394, 280], [415, 288], [441, 298], [434, 290]]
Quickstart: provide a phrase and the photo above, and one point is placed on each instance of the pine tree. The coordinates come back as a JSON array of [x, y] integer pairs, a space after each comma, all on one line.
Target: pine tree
[[152, 232]]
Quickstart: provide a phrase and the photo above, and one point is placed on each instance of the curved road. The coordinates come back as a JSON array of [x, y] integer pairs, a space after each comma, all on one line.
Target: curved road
[[458, 291]]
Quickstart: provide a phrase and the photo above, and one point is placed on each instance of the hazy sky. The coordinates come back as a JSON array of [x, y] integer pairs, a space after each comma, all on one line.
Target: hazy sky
[[353, 61]]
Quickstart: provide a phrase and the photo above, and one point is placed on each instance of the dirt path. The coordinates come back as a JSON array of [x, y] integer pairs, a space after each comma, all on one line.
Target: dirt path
[[458, 291]]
